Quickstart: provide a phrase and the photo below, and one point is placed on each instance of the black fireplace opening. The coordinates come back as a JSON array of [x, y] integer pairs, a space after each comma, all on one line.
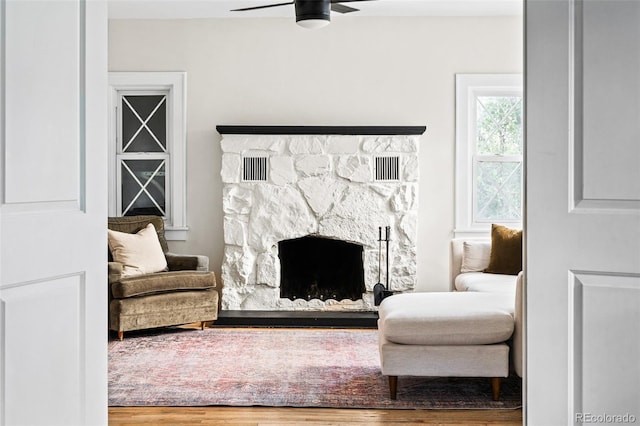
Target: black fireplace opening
[[320, 268]]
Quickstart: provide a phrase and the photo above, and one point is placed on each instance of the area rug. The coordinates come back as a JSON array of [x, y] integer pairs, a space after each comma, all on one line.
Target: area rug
[[337, 368]]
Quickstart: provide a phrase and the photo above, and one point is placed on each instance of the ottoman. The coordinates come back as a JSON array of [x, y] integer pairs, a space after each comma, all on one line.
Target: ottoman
[[460, 334]]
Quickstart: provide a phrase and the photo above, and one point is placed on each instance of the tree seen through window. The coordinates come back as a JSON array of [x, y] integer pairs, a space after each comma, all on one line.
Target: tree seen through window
[[498, 159]]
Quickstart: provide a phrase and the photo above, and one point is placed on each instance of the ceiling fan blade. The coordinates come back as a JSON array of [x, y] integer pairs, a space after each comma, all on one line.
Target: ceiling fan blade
[[262, 7], [341, 8], [347, 1]]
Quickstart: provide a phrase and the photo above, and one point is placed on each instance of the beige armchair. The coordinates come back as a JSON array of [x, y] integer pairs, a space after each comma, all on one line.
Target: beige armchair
[[184, 294]]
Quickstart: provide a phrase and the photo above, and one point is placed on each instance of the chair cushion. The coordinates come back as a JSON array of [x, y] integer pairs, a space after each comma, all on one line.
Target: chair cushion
[[162, 282], [165, 303], [139, 253], [452, 318], [479, 281]]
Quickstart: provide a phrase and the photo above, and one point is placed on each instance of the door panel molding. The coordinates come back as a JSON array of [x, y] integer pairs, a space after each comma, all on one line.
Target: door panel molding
[[600, 327], [593, 122], [21, 304], [31, 134]]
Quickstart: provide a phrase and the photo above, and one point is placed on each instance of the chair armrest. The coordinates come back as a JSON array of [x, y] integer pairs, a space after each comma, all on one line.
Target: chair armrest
[[115, 271], [455, 261], [517, 352], [182, 262]]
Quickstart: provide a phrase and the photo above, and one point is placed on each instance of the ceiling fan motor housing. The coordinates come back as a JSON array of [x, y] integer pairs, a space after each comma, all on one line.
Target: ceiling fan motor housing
[[312, 9]]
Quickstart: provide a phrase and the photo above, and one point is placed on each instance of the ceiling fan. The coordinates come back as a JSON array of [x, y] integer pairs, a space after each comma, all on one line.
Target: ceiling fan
[[311, 14]]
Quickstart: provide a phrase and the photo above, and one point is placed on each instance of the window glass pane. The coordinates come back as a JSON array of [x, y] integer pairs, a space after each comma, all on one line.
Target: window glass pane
[[144, 123], [143, 187], [499, 124], [498, 191]]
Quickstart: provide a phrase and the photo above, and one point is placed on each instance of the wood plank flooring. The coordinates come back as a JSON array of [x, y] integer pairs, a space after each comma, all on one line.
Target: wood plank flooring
[[263, 416]]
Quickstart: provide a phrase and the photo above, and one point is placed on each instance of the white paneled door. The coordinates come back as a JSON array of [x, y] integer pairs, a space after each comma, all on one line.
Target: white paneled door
[[583, 211], [53, 362]]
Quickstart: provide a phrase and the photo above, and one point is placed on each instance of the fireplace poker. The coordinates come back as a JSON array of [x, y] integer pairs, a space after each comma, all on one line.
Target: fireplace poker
[[378, 289], [387, 235], [381, 291], [379, 253]]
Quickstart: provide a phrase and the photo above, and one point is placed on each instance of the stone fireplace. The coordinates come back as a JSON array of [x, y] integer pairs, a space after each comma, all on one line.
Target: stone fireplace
[[302, 207]]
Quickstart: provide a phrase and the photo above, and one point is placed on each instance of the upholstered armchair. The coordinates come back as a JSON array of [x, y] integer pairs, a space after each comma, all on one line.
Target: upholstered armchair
[[162, 289]]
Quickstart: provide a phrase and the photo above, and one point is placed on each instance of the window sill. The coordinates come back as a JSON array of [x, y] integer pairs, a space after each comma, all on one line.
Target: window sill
[[472, 233], [484, 232]]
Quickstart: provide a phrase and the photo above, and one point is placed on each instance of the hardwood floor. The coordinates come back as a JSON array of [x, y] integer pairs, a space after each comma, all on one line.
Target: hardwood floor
[[260, 416]]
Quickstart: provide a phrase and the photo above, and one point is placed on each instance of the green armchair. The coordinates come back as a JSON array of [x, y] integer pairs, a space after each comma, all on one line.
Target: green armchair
[[185, 293]]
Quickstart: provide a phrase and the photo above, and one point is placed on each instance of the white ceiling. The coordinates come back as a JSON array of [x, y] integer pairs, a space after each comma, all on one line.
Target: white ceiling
[[193, 9]]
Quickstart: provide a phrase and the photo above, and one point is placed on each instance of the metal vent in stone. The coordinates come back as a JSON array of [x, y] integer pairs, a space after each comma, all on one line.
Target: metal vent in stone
[[254, 169], [388, 168]]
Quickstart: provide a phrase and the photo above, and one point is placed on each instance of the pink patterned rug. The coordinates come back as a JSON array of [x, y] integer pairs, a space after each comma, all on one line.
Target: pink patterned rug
[[338, 368]]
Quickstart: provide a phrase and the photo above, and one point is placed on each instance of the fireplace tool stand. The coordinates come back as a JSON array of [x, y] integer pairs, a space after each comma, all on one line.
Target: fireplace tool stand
[[381, 291]]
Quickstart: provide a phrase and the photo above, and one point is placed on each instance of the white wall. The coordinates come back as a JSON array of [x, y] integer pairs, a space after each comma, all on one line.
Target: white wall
[[356, 71]]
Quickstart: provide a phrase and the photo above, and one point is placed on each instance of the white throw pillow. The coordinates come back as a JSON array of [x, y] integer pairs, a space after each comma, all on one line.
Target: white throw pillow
[[475, 256], [139, 253]]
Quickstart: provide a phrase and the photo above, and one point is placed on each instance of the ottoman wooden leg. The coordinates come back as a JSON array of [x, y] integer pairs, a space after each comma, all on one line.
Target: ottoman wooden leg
[[495, 387], [393, 386], [120, 334]]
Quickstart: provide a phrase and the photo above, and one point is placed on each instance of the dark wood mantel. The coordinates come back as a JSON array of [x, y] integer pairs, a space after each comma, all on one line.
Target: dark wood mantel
[[321, 130]]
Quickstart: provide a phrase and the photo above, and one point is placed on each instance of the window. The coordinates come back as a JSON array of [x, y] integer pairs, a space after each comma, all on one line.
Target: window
[[147, 147], [489, 149]]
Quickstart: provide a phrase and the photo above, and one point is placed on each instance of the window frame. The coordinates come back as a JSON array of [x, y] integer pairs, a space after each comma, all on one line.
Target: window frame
[[468, 88], [122, 155], [173, 84]]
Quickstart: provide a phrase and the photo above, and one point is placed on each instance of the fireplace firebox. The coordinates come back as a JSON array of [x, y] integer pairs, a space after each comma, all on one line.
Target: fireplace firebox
[[321, 268]]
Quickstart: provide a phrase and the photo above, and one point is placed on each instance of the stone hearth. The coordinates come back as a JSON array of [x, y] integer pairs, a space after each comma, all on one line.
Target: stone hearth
[[282, 187]]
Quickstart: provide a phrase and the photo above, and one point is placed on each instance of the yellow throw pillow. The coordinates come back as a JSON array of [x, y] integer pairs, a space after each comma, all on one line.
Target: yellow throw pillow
[[139, 253], [506, 251]]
